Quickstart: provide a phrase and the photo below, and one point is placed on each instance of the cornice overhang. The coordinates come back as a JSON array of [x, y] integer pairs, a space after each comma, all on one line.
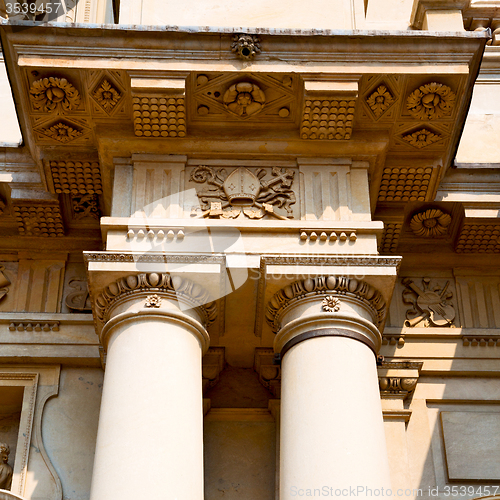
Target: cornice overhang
[[178, 54]]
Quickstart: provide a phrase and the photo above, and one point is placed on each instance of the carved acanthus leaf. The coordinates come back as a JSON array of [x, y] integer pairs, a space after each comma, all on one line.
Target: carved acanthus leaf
[[422, 138], [380, 101], [50, 93], [107, 95], [431, 101], [62, 132]]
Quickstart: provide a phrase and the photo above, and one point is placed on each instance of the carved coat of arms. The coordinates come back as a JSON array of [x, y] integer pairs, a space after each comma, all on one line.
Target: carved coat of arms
[[228, 195]]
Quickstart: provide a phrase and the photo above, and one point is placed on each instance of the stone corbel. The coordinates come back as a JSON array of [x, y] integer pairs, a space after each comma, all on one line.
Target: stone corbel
[[213, 363], [438, 15], [397, 381], [269, 372]]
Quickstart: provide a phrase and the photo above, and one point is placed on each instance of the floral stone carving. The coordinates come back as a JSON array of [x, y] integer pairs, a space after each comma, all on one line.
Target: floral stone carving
[[153, 301], [431, 101], [431, 222], [244, 99], [422, 138], [380, 100], [50, 93], [243, 190], [107, 96], [431, 305], [331, 304], [62, 132], [246, 46]]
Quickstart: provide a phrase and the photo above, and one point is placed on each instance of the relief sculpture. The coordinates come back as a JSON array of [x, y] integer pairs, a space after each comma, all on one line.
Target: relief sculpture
[[5, 468], [431, 305], [228, 195]]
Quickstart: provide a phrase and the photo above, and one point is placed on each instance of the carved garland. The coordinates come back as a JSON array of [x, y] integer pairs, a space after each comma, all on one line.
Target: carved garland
[[155, 282], [339, 285]]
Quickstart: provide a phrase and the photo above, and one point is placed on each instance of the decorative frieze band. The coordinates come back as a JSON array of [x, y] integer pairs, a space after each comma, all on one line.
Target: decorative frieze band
[[155, 282], [337, 285]]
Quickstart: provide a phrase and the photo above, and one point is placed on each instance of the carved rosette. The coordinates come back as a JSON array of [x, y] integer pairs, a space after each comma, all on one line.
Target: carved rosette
[[153, 284], [330, 286], [430, 223], [244, 99], [50, 93], [431, 101]]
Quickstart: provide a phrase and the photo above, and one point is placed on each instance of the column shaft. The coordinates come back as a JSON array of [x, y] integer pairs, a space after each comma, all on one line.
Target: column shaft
[[332, 433], [150, 438]]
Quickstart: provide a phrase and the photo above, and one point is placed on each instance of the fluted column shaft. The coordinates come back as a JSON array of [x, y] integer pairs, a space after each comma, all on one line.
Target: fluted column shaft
[[332, 435]]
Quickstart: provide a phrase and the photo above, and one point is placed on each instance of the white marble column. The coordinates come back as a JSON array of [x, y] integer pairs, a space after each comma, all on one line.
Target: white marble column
[[150, 435], [332, 434]]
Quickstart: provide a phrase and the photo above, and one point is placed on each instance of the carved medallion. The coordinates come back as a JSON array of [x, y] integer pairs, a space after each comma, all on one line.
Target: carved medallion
[[244, 99], [242, 191], [153, 301], [431, 305], [48, 94], [422, 138], [380, 101], [107, 96], [431, 222], [246, 46], [431, 101], [330, 304]]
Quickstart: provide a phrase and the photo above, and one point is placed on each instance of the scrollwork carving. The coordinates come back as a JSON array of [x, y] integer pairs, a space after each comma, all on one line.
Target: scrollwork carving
[[340, 285], [155, 282]]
